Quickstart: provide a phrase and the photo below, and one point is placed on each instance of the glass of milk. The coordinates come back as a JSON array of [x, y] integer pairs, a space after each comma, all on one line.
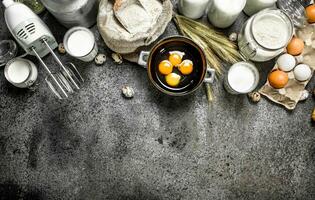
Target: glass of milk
[[223, 13], [21, 73], [80, 43], [242, 78], [254, 6]]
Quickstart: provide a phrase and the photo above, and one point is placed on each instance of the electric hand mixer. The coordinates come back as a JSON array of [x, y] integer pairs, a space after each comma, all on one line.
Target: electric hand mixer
[[37, 40]]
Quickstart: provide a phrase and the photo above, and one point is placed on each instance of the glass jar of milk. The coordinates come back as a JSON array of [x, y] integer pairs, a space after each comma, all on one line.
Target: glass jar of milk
[[223, 13], [193, 9], [254, 6], [265, 35]]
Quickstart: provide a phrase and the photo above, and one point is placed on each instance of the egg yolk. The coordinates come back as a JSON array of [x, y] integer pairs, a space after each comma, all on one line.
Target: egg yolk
[[175, 59], [165, 67], [186, 67], [172, 79]]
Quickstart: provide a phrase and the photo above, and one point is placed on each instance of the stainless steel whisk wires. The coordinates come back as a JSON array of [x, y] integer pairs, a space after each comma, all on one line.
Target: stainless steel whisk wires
[[63, 82]]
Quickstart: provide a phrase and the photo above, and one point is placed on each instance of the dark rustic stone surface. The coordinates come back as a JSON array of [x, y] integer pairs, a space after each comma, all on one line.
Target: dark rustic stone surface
[[98, 145]]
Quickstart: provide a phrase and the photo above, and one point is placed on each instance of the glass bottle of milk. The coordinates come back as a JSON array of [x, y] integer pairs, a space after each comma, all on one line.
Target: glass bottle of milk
[[193, 9], [254, 6], [223, 13]]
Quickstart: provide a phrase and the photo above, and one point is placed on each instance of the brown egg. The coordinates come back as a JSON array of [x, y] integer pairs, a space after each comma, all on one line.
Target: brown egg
[[295, 46], [310, 13], [278, 79]]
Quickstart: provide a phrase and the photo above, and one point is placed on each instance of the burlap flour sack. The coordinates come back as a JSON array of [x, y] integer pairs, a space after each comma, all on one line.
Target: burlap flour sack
[[291, 94], [126, 25]]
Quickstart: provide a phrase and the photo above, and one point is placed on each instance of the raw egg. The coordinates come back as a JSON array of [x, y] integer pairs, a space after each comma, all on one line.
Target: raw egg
[[295, 46], [176, 57], [165, 67], [278, 79], [186, 67], [310, 13], [173, 79]]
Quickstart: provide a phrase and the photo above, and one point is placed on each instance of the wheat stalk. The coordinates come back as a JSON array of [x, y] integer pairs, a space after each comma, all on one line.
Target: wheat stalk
[[216, 46]]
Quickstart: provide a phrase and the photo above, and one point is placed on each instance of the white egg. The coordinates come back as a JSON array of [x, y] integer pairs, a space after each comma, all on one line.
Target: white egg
[[286, 62], [302, 72]]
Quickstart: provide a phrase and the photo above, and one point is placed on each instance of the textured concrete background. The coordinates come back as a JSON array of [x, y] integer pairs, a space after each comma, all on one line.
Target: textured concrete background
[[98, 145]]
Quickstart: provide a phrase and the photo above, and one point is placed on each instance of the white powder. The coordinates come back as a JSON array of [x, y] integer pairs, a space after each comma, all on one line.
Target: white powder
[[270, 31], [18, 71], [241, 78], [80, 43]]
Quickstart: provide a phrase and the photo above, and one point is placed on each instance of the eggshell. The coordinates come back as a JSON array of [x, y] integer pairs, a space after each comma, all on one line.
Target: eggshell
[[286, 62], [302, 72]]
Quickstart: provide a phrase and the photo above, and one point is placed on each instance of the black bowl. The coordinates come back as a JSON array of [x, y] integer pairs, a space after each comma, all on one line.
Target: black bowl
[[192, 51]]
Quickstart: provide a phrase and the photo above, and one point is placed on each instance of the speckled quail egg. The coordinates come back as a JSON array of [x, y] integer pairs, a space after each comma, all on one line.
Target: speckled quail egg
[[302, 72], [286, 62]]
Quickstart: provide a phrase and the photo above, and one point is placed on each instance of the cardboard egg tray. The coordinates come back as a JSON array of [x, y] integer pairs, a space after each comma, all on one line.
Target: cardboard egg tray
[[291, 94]]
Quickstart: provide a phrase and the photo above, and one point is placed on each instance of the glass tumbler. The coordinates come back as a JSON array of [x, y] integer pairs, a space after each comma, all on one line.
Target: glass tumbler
[[8, 51]]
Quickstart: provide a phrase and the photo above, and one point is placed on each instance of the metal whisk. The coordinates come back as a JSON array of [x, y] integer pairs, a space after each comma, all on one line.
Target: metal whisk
[[64, 82]]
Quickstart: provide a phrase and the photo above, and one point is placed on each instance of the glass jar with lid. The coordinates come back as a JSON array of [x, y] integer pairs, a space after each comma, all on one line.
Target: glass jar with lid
[[265, 35]]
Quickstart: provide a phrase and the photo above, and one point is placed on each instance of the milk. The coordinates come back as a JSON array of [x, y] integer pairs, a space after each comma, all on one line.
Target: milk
[[254, 6], [18, 71], [80, 43], [242, 78], [21, 73], [223, 13], [193, 9]]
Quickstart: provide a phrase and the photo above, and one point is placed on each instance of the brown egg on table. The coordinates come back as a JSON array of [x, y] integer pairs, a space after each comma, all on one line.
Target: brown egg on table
[[165, 67], [176, 57], [173, 79], [186, 67], [310, 13], [278, 79], [295, 46]]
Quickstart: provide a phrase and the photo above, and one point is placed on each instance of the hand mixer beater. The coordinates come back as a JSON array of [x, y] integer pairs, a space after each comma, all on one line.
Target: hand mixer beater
[[37, 40]]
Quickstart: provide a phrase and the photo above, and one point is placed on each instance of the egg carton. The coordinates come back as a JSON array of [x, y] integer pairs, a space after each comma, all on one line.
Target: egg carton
[[290, 95]]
